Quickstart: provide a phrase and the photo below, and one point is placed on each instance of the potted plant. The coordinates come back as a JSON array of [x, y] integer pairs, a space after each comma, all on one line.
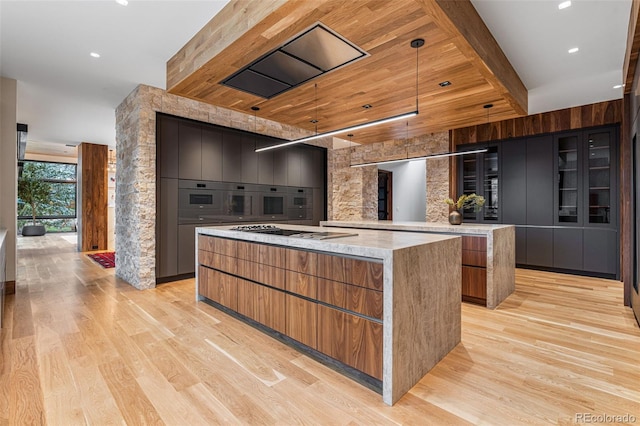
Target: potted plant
[[34, 193], [465, 201]]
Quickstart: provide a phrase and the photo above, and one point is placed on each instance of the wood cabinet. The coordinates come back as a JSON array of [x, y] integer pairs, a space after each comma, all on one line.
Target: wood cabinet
[[474, 269], [332, 304]]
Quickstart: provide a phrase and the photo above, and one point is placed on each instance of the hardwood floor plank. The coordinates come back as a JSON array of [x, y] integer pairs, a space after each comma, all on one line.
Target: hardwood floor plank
[[81, 346]]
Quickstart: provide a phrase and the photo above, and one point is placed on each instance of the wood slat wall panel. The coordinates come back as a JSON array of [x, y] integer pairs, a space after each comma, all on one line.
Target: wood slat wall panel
[[609, 112]]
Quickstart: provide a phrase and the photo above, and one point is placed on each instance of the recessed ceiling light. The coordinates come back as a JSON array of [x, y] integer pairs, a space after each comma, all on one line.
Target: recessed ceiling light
[[125, 2], [94, 55], [445, 83], [367, 106], [573, 50], [618, 86], [564, 4]]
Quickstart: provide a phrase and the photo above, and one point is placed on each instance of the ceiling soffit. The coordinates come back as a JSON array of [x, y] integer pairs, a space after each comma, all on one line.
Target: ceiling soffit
[[458, 48]]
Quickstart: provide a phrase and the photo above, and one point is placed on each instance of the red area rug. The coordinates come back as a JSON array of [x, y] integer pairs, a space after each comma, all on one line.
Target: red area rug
[[106, 259]]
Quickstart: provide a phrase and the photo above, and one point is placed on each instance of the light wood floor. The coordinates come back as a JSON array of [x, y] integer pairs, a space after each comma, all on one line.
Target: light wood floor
[[82, 347]]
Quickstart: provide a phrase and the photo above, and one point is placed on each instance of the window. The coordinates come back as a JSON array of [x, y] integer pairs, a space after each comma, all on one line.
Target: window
[[58, 214]]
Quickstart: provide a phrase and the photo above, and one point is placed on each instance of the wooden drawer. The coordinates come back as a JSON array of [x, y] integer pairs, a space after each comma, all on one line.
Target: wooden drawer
[[301, 261], [262, 253], [218, 261], [352, 298], [302, 284], [474, 243], [265, 274], [474, 284], [351, 271], [302, 320], [474, 258], [219, 287], [205, 242], [352, 340]]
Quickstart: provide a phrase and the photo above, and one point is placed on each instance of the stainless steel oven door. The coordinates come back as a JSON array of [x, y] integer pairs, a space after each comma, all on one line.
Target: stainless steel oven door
[[273, 203], [240, 206]]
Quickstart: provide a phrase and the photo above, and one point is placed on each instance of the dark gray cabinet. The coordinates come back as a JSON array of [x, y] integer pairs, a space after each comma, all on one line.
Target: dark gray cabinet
[[167, 228], [232, 157], [600, 253], [206, 154], [567, 248], [479, 173], [211, 154], [539, 186], [514, 181], [190, 151], [167, 144], [280, 169], [539, 243], [561, 192]]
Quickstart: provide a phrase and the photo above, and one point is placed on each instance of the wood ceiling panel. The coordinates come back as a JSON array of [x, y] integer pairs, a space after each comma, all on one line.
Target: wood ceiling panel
[[469, 58]]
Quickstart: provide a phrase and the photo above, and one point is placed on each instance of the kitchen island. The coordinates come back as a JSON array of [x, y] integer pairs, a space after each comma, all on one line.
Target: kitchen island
[[383, 305], [488, 254]]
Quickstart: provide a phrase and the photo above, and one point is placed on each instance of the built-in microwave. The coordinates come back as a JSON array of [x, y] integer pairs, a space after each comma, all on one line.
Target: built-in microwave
[[199, 202]]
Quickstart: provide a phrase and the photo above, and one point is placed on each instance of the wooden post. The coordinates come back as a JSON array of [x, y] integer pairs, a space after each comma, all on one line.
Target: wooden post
[[92, 197]]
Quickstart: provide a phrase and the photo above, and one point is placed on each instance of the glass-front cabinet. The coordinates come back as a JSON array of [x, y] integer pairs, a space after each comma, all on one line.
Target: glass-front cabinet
[[599, 175], [479, 174], [585, 178], [568, 180]]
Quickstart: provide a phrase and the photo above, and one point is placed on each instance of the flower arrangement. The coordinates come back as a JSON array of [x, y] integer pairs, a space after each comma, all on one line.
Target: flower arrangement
[[467, 201]]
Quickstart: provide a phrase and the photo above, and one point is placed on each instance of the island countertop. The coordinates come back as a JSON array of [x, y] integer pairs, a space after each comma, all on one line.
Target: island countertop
[[418, 287], [436, 227]]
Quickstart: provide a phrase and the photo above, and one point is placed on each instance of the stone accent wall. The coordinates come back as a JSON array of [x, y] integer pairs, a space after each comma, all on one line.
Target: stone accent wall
[[353, 192], [136, 171]]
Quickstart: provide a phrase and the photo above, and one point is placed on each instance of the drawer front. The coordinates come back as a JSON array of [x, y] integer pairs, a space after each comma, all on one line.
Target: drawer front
[[218, 261], [474, 258], [364, 301], [302, 320], [332, 293], [474, 243], [474, 283], [351, 271], [205, 242], [262, 253], [301, 261], [302, 284]]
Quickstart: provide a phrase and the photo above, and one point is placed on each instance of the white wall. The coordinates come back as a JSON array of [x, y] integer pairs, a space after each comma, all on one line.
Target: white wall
[[8, 169], [409, 190]]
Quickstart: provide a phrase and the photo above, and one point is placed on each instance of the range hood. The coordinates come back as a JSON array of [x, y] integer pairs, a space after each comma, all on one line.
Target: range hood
[[22, 140], [310, 54]]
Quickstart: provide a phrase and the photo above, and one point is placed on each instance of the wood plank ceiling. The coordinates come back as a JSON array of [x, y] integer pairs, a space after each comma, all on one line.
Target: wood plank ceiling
[[459, 48]]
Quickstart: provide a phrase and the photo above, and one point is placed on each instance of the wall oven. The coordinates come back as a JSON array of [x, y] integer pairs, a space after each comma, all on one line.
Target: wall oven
[[241, 202], [273, 203], [199, 202], [299, 203]]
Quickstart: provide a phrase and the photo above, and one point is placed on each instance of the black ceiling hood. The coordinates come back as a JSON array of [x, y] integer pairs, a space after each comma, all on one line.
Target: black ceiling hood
[[315, 51]]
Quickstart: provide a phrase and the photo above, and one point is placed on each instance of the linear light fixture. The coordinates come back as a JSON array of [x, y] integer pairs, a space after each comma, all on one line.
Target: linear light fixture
[[426, 157], [346, 129]]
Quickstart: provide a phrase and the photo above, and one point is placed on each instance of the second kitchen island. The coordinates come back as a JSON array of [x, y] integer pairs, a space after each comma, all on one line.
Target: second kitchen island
[[383, 304]]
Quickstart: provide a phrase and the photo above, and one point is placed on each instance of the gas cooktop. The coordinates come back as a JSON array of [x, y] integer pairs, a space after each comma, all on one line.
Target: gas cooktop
[[294, 233]]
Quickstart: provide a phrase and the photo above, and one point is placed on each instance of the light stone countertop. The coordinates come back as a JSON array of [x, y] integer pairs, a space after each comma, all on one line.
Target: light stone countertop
[[464, 228], [367, 243]]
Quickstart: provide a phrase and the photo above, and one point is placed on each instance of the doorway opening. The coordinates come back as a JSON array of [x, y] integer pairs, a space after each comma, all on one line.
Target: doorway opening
[[385, 195]]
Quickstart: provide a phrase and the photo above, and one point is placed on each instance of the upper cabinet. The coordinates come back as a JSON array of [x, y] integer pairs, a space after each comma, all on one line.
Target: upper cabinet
[[479, 174], [191, 150], [585, 178]]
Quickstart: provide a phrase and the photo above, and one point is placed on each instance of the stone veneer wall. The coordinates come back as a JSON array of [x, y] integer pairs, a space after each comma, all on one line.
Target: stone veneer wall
[[136, 171], [353, 192]]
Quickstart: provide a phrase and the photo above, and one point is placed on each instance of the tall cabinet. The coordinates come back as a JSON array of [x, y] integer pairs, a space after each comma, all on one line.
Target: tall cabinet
[[480, 175], [560, 191]]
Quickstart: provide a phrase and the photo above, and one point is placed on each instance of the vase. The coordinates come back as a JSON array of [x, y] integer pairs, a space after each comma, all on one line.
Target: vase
[[455, 218]]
